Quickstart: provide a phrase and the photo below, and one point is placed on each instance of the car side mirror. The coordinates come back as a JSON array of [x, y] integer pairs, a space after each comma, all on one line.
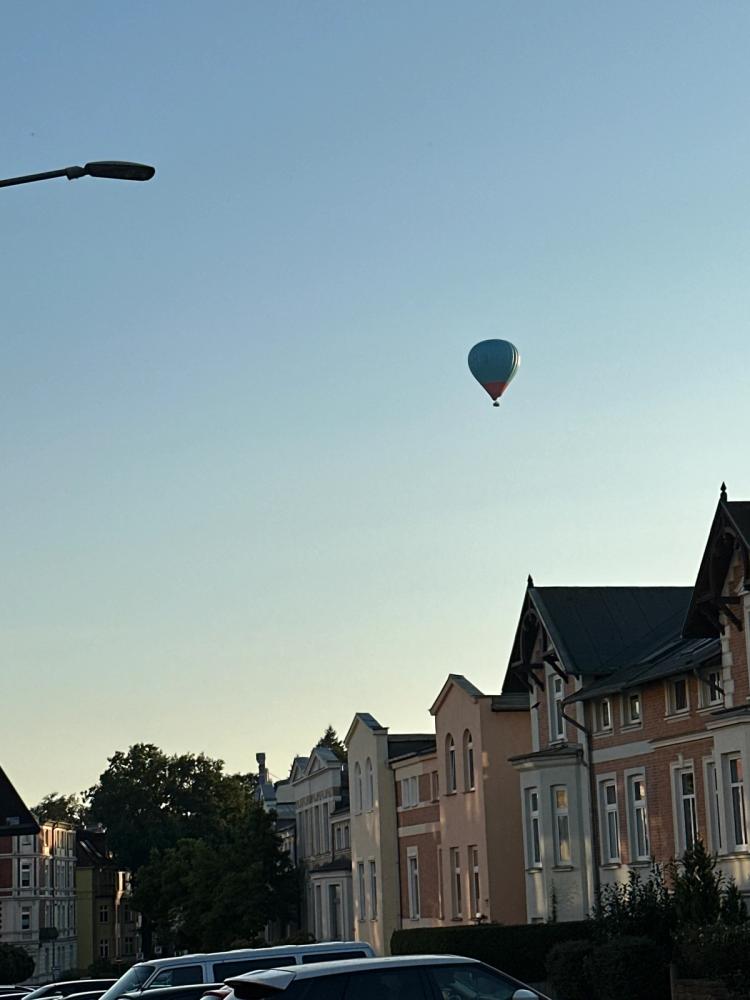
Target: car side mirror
[[524, 995]]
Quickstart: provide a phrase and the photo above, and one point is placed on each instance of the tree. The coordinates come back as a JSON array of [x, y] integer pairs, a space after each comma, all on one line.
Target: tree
[[331, 740], [15, 964], [61, 808]]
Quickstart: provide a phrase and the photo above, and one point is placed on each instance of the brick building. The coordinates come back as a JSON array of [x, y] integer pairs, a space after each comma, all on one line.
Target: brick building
[[418, 829], [640, 725]]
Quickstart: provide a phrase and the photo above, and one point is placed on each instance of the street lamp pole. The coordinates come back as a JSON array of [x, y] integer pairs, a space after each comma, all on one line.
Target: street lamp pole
[[114, 169]]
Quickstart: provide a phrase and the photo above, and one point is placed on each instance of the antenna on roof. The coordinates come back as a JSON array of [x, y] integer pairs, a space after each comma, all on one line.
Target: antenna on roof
[[530, 581], [723, 495]]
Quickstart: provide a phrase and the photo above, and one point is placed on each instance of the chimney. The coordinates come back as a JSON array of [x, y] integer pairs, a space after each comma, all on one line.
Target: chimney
[[262, 770]]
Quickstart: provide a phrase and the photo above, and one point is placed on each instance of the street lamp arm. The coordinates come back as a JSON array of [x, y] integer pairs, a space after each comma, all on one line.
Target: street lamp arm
[[114, 169]]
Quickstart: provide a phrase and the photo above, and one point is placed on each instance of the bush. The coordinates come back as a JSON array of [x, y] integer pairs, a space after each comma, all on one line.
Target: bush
[[568, 970], [519, 950], [15, 964], [629, 968], [719, 951]]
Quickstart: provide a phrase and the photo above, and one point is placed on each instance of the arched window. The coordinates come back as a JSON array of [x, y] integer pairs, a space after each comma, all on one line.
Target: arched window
[[369, 786], [450, 764], [469, 781], [358, 787]]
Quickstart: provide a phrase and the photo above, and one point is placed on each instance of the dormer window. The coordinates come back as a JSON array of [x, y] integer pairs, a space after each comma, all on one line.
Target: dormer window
[[605, 715], [557, 719], [711, 692], [678, 696], [633, 709]]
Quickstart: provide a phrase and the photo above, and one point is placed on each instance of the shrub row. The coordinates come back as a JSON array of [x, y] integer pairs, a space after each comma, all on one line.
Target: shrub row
[[623, 968], [520, 950]]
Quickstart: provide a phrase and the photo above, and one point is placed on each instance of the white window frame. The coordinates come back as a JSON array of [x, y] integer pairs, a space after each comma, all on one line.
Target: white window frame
[[369, 786], [604, 727], [711, 696], [26, 914], [24, 875], [373, 889], [562, 821], [474, 881], [681, 798], [638, 816], [456, 894], [358, 787], [712, 785], [672, 708], [410, 792], [362, 890], [557, 728], [450, 765], [469, 772], [628, 718], [412, 882], [533, 829], [609, 817], [735, 785]]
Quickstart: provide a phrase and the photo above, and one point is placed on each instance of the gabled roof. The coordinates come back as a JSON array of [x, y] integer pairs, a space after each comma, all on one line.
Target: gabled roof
[[365, 719], [15, 818], [728, 534], [459, 681]]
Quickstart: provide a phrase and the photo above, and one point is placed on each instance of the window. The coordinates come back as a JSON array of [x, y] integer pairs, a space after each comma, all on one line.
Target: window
[[362, 890], [370, 786], [688, 817], [678, 696], [711, 692], [633, 709], [373, 890], [450, 764], [393, 984], [316, 957], [605, 714], [104, 914], [737, 797], [456, 883], [610, 822], [472, 982], [474, 883], [25, 918], [562, 824], [128, 945], [25, 874], [639, 844], [412, 881], [338, 839], [557, 721], [714, 805], [533, 850], [346, 835], [435, 785], [358, 787], [103, 948], [410, 792], [179, 975], [326, 818], [318, 910], [468, 762]]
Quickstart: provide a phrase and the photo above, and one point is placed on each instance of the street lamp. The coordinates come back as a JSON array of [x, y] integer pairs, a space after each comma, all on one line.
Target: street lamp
[[115, 169]]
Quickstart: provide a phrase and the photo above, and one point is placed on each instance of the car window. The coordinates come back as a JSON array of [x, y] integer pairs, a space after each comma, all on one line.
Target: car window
[[178, 975], [386, 984], [223, 970], [472, 982], [310, 957]]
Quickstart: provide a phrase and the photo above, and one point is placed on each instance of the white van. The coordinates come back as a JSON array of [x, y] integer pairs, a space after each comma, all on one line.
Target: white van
[[217, 967]]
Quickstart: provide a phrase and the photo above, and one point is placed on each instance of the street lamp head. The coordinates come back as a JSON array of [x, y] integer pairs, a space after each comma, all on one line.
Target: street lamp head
[[119, 170]]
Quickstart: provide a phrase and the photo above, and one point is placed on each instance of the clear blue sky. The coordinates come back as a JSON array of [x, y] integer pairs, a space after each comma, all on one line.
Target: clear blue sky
[[248, 484]]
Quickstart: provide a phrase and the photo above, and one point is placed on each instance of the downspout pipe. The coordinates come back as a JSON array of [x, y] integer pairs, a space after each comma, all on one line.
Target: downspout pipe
[[594, 813]]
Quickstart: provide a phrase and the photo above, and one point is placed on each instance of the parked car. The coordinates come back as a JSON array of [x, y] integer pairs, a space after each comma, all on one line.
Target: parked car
[[412, 977], [193, 992], [7, 990], [70, 986], [187, 970], [87, 995]]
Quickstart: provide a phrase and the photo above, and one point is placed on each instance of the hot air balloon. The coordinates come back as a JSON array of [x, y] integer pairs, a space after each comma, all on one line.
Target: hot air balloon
[[493, 363]]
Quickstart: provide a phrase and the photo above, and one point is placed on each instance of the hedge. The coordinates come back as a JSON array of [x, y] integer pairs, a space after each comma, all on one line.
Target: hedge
[[519, 950]]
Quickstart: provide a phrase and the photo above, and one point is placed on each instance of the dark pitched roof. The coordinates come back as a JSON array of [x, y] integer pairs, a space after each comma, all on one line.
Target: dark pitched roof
[[597, 630], [402, 745], [15, 818], [511, 701], [729, 529]]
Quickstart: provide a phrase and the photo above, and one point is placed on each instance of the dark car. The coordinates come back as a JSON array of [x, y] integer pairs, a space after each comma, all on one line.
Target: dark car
[[87, 995], [68, 987], [6, 991], [192, 992]]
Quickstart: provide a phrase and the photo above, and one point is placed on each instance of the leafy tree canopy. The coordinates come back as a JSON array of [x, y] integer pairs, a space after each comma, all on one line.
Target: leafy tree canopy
[[15, 964], [61, 808]]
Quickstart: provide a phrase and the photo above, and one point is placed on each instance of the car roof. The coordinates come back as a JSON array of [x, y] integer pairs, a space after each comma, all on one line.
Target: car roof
[[236, 953], [169, 991], [281, 977]]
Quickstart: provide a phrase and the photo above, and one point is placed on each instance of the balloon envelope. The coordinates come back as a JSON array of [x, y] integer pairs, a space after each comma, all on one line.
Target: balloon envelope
[[493, 363]]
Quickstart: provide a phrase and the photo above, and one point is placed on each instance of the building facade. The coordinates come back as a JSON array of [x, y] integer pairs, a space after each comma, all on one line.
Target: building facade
[[419, 846], [107, 927], [481, 841], [37, 898], [321, 797]]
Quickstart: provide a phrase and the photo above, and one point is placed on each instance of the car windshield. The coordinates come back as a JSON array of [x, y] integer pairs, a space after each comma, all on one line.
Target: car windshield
[[133, 979]]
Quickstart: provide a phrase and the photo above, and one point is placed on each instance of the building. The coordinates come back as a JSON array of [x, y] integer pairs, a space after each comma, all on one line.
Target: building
[[418, 826], [481, 839], [107, 928], [278, 798], [375, 843], [37, 897], [321, 797], [15, 817], [640, 725]]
